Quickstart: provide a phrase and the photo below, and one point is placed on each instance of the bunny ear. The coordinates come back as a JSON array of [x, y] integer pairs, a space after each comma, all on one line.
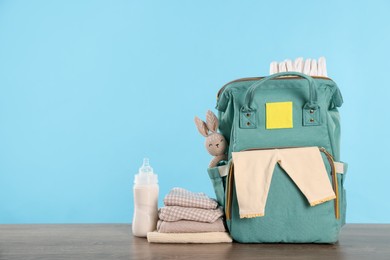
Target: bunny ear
[[211, 121], [202, 128]]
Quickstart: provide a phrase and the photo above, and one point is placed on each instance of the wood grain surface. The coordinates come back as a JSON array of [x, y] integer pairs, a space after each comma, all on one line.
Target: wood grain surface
[[115, 241]]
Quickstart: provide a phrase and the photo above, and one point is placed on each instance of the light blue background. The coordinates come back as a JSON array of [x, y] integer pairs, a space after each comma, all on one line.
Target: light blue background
[[88, 88]]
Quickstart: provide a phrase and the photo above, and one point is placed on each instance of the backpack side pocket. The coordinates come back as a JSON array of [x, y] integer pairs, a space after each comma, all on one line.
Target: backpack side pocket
[[218, 183]]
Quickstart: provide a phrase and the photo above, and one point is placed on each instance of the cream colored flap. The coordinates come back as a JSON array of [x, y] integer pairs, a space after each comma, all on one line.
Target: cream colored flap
[[339, 167], [223, 170]]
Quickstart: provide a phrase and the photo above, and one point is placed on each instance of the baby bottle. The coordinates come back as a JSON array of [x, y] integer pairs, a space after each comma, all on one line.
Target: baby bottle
[[145, 200]]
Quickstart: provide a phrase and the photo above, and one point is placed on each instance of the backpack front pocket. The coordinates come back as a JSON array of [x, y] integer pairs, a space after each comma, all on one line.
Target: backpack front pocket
[[294, 210]]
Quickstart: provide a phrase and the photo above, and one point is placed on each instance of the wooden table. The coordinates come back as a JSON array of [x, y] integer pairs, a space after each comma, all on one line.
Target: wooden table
[[114, 241]]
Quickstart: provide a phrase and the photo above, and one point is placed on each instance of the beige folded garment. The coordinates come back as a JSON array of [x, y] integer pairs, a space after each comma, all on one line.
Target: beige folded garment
[[182, 238], [253, 173], [186, 226]]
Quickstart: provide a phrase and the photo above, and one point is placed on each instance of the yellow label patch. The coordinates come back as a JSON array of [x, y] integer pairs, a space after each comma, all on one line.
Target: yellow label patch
[[279, 115]]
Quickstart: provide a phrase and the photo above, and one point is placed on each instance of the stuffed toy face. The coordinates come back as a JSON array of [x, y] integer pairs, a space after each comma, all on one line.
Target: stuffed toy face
[[215, 142]]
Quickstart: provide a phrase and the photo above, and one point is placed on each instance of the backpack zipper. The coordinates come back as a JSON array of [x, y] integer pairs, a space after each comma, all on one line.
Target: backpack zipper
[[259, 78], [335, 183], [230, 181]]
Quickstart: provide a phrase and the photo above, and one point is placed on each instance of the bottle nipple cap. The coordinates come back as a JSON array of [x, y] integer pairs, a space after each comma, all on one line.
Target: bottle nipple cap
[[146, 168], [145, 174]]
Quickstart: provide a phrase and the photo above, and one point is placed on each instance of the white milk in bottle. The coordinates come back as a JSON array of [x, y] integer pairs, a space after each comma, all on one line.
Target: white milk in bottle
[[145, 200]]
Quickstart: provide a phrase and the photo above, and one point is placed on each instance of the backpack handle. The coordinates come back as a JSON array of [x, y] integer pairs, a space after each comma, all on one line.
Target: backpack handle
[[312, 104]]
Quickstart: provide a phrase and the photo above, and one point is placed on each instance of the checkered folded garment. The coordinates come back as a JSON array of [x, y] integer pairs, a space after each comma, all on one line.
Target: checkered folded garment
[[184, 198], [176, 213]]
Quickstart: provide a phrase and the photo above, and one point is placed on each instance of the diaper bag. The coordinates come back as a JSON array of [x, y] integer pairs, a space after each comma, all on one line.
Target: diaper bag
[[284, 110]]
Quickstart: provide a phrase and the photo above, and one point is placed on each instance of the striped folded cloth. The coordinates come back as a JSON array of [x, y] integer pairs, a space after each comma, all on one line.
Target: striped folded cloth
[[186, 226], [176, 213], [184, 198]]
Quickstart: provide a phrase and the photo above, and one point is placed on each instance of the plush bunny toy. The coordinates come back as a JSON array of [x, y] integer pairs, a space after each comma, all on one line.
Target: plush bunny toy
[[215, 142]]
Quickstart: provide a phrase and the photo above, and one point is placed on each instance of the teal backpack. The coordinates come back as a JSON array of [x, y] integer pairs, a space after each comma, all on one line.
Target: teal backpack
[[312, 120]]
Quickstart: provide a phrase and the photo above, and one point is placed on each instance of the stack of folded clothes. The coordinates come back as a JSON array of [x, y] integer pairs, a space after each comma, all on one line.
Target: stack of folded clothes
[[189, 217]]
